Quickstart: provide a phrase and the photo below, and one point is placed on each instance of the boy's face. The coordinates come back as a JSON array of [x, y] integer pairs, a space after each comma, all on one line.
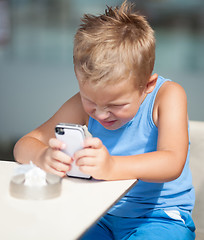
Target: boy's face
[[113, 105]]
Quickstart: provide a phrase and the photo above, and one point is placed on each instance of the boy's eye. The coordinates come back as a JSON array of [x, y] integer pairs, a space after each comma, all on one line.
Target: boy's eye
[[88, 101], [117, 105]]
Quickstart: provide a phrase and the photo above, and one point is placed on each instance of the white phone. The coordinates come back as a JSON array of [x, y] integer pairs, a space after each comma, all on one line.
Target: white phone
[[73, 136]]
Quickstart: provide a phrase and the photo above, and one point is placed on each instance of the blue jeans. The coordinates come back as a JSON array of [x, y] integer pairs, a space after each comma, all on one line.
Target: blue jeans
[[156, 225]]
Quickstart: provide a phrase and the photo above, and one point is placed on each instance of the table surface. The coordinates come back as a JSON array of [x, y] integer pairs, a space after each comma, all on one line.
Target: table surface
[[80, 205]]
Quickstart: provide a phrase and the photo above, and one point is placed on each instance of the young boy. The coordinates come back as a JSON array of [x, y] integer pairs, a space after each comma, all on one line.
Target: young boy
[[139, 125]]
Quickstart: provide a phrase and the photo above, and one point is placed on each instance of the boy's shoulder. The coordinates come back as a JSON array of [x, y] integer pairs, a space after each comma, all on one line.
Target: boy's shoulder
[[169, 90], [170, 97]]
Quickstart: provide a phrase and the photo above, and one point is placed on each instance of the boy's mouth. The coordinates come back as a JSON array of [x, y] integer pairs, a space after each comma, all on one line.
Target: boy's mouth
[[107, 123]]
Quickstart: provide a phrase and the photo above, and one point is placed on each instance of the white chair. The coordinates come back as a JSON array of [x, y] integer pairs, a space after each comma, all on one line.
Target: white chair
[[197, 169]]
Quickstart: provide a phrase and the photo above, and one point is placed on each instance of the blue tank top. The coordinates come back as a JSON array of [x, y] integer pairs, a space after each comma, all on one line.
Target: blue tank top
[[136, 137]]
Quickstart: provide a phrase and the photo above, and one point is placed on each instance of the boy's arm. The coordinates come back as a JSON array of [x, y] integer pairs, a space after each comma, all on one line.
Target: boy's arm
[[165, 164], [36, 145]]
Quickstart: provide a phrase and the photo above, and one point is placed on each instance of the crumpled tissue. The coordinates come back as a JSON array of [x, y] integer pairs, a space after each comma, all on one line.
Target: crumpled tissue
[[31, 182], [34, 176]]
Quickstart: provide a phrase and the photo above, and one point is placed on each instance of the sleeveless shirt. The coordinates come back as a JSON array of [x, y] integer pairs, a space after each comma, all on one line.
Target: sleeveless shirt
[[140, 136]]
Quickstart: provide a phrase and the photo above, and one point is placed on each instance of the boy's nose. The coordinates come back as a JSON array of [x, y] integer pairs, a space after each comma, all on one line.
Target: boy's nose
[[102, 113]]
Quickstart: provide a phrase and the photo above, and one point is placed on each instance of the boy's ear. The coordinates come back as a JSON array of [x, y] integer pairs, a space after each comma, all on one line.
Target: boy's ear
[[151, 83]]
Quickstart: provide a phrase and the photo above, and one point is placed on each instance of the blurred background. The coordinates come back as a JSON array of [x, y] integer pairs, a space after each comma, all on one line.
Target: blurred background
[[36, 68]]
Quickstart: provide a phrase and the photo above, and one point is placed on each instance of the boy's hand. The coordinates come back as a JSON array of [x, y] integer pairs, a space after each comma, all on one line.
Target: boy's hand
[[54, 160], [94, 159]]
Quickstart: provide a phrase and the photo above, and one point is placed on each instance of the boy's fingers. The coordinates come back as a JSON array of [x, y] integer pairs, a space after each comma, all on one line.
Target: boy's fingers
[[56, 172], [57, 144], [92, 143], [89, 152], [86, 161], [61, 156], [61, 167], [86, 169]]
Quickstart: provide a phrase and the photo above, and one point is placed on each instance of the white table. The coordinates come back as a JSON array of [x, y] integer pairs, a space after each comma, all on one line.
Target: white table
[[80, 205]]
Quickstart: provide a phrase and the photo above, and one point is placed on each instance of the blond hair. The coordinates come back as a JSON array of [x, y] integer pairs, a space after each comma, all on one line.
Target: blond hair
[[116, 45]]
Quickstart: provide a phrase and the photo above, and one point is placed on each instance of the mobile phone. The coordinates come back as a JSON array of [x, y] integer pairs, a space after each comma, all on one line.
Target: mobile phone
[[73, 136]]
